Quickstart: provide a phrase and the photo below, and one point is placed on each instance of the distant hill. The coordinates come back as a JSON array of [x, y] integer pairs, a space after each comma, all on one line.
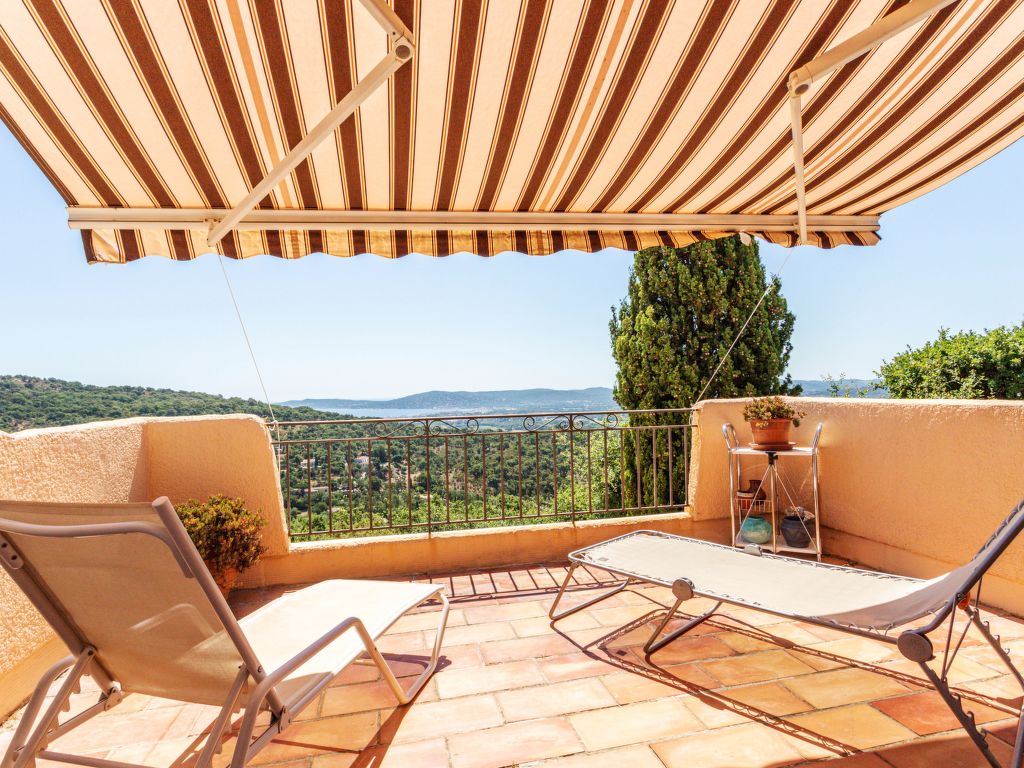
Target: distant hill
[[530, 400], [27, 402], [495, 401]]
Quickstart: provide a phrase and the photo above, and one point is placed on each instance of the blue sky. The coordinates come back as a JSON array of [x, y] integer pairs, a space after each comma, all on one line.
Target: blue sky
[[369, 327]]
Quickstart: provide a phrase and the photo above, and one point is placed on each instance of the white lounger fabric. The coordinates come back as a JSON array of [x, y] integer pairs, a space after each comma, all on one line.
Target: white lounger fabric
[[281, 629], [782, 585]]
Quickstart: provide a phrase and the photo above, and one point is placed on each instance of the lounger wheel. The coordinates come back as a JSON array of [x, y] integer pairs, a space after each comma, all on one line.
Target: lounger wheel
[[916, 647], [682, 589]]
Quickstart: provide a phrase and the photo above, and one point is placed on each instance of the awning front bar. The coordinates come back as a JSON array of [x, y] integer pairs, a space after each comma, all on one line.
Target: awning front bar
[[266, 219]]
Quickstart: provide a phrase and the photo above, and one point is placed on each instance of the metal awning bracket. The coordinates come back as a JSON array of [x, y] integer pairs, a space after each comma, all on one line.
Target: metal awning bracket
[[389, 21], [821, 66], [795, 110]]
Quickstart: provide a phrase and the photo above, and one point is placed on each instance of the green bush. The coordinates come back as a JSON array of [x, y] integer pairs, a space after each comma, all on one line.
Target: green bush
[[225, 532], [964, 365]]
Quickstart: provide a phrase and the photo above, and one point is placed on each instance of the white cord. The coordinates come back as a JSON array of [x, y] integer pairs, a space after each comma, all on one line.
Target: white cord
[[771, 285], [245, 333]]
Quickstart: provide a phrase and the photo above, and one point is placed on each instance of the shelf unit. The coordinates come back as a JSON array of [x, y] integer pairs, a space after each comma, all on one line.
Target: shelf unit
[[775, 489]]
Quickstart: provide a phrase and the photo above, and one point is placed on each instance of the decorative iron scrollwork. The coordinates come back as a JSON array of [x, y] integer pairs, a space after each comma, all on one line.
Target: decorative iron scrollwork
[[384, 429], [470, 426], [546, 423], [595, 420]]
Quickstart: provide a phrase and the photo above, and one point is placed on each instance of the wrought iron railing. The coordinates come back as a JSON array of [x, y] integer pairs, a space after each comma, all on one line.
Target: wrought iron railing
[[358, 477]]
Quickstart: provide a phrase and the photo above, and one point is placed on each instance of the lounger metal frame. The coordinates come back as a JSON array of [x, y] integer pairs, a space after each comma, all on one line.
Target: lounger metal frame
[[35, 732], [913, 644]]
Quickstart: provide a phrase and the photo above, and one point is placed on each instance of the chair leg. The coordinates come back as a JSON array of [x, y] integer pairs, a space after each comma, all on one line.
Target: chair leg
[[997, 645], [246, 746], [30, 742], [213, 741], [683, 590], [916, 646], [554, 615], [405, 696], [996, 642], [966, 718], [21, 734], [1018, 747]]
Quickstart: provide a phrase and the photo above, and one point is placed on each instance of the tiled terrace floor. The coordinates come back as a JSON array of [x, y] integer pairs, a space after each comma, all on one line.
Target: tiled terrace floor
[[743, 690]]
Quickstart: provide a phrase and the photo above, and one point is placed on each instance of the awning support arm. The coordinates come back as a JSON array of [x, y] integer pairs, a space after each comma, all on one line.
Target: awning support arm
[[886, 27], [795, 114], [825, 64], [401, 52]]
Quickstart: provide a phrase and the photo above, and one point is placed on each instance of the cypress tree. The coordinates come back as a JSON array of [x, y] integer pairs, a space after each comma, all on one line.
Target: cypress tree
[[683, 308]]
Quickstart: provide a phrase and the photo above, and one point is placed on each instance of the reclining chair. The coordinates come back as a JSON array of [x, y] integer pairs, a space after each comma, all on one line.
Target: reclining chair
[[125, 589]]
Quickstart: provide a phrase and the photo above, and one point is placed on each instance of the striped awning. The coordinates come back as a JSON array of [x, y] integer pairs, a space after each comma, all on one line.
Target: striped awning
[[493, 125]]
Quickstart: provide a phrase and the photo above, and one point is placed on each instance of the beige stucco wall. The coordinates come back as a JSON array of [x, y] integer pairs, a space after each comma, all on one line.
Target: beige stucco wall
[[100, 462], [127, 460], [911, 486], [199, 457]]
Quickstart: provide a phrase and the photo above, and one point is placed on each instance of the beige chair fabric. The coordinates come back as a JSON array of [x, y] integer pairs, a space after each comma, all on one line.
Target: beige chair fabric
[[126, 590], [154, 630], [863, 603]]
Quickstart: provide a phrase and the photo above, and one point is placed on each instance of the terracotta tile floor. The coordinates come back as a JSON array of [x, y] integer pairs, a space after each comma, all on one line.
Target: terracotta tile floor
[[744, 689]]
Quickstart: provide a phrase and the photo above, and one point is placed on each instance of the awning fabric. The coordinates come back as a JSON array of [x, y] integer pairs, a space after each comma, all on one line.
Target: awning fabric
[[519, 107]]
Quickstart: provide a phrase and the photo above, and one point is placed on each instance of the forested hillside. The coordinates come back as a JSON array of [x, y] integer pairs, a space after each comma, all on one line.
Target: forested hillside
[[27, 402]]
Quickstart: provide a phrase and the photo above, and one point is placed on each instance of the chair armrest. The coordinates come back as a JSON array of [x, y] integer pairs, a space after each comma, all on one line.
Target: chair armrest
[[328, 637], [263, 687], [296, 661]]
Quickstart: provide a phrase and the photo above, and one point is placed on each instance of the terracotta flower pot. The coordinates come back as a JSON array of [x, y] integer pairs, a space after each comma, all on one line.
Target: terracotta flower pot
[[226, 580], [771, 431]]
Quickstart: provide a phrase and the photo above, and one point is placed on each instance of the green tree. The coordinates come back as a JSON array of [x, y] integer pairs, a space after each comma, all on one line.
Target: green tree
[[683, 308], [841, 387], [964, 365]]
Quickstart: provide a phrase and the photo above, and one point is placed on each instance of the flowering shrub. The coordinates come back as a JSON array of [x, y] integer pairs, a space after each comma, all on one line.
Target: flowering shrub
[[226, 533]]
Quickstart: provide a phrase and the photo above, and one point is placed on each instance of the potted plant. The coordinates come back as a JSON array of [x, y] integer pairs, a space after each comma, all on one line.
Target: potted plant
[[227, 535], [771, 419]]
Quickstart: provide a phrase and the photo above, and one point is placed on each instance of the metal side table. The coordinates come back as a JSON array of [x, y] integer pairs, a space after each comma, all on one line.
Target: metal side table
[[775, 491]]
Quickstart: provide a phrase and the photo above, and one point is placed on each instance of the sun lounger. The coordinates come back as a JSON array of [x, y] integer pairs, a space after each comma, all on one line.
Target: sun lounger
[[880, 606], [125, 589]]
